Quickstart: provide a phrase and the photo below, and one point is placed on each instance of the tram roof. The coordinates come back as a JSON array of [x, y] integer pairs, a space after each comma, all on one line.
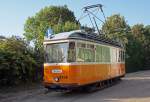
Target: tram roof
[[78, 34]]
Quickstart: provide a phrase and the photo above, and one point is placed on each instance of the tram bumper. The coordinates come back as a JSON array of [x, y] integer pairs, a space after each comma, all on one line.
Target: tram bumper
[[60, 87]]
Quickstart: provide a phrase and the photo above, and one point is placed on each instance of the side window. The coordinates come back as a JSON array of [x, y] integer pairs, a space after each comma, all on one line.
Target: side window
[[123, 56], [80, 52], [90, 53], [98, 53], [71, 52], [116, 55], [120, 56], [113, 55], [85, 53], [102, 54], [108, 54]]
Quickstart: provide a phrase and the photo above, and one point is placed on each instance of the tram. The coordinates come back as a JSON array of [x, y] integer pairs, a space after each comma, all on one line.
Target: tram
[[78, 59]]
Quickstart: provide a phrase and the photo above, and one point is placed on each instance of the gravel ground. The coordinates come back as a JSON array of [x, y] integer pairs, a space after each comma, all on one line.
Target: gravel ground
[[135, 87]]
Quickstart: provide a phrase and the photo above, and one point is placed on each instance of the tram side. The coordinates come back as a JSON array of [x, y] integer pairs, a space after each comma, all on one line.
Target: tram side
[[85, 63], [97, 62]]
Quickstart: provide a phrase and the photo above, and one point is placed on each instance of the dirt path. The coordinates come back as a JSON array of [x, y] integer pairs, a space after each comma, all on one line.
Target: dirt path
[[135, 87]]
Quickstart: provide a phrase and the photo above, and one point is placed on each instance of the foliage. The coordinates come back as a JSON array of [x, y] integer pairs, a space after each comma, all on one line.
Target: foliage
[[138, 48], [136, 40], [17, 62], [59, 18], [116, 27], [134, 54], [67, 26]]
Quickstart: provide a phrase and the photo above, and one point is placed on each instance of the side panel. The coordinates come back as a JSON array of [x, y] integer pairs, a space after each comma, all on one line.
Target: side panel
[[82, 74], [117, 70]]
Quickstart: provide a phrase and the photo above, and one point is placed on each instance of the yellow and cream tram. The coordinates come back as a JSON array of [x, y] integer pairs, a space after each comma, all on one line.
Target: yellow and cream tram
[[77, 59]]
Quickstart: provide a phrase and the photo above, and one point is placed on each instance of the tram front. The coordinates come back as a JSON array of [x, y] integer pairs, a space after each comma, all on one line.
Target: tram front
[[58, 59]]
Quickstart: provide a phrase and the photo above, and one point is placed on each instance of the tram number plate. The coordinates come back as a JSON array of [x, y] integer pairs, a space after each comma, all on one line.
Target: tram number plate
[[56, 71]]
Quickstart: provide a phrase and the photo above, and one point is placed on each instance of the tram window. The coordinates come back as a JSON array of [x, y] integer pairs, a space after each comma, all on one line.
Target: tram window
[[98, 53], [80, 55], [90, 46], [107, 54], [56, 53], [71, 52], [104, 54], [89, 55], [116, 55], [123, 56], [81, 45], [85, 54], [80, 52], [120, 58]]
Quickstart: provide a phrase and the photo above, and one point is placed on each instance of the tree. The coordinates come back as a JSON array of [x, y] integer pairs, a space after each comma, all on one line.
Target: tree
[[138, 31], [67, 26], [138, 48], [147, 38], [147, 45], [59, 18], [116, 27], [134, 53]]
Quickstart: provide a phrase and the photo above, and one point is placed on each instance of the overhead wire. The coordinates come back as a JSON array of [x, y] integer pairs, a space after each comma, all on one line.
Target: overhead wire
[[92, 12], [96, 16], [81, 17]]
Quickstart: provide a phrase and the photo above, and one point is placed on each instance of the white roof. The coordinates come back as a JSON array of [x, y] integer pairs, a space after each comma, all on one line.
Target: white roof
[[63, 35]]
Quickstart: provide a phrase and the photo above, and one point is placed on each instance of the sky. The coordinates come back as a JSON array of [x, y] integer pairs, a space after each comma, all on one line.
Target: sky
[[14, 13]]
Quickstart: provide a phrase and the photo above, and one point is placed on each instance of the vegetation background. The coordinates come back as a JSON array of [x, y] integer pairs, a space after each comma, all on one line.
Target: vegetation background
[[22, 63]]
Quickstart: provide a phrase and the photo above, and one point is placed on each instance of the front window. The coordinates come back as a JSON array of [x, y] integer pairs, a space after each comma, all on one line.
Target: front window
[[56, 53], [60, 53]]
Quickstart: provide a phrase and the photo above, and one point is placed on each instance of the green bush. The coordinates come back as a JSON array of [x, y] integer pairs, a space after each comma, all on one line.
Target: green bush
[[17, 62]]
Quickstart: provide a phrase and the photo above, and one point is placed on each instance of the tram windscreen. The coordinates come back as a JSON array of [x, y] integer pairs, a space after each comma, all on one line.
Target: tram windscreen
[[60, 53], [56, 53]]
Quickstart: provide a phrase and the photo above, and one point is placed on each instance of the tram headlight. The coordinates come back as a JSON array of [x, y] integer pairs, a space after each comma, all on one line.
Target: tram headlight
[[56, 79]]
